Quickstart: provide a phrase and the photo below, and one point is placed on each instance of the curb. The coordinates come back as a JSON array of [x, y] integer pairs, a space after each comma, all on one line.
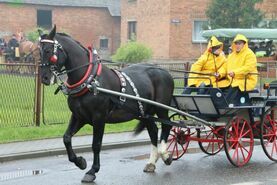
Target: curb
[[62, 151]]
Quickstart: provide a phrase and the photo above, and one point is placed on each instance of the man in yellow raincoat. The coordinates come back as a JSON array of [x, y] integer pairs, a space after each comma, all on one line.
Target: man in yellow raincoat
[[241, 70], [203, 72]]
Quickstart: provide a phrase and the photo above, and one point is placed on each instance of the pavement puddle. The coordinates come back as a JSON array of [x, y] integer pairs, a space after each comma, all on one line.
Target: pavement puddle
[[18, 174]]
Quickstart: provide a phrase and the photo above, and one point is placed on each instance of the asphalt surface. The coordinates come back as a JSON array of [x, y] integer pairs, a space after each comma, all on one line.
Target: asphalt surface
[[55, 146]]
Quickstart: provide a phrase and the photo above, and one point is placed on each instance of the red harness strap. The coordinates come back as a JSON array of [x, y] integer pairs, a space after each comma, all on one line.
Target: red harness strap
[[86, 77]]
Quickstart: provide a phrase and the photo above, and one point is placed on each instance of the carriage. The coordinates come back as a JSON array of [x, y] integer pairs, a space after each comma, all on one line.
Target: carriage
[[214, 124], [235, 128], [99, 95]]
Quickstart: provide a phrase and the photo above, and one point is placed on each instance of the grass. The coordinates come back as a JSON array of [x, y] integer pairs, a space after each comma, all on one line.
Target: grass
[[9, 134], [17, 112]]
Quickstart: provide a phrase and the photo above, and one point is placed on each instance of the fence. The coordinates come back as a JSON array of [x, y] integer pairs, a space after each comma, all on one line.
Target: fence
[[17, 101], [24, 103]]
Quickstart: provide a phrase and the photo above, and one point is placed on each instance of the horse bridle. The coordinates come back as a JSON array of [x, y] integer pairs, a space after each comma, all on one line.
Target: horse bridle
[[54, 57], [81, 87]]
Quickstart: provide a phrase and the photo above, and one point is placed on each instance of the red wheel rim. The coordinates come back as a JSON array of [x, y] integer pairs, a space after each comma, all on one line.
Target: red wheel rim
[[178, 142], [211, 148], [269, 133], [238, 141]]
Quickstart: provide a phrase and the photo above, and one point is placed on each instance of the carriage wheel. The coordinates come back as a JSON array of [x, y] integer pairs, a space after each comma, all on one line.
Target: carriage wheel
[[238, 141], [211, 148], [269, 133], [178, 139]]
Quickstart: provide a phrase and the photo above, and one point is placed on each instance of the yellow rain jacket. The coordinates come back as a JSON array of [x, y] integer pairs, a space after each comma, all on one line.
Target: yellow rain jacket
[[241, 64], [208, 63]]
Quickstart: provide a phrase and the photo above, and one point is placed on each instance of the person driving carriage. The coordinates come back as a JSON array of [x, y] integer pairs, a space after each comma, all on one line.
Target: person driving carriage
[[240, 63], [204, 72]]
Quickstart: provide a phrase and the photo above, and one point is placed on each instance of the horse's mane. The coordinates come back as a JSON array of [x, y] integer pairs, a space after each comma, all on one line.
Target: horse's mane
[[66, 35]]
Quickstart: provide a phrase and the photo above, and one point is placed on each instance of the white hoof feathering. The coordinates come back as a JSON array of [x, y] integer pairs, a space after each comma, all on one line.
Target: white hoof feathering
[[163, 150], [154, 156]]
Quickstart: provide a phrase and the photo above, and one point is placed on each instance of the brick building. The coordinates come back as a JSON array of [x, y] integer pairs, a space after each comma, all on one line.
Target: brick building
[[88, 21], [172, 28]]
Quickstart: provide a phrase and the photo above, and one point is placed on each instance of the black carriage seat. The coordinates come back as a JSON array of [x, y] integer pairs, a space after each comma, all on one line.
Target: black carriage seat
[[203, 105], [213, 105]]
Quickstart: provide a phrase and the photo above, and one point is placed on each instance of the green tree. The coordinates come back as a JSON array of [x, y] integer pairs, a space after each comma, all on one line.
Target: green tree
[[234, 13], [132, 52]]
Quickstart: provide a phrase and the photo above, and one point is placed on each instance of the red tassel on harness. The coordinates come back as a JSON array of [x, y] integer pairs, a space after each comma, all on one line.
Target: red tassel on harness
[[54, 59]]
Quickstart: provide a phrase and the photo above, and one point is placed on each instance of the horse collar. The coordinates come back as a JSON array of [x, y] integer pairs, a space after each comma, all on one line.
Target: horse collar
[[91, 75]]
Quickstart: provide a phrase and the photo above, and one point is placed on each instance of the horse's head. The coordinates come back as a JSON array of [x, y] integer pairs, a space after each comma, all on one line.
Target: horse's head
[[52, 56]]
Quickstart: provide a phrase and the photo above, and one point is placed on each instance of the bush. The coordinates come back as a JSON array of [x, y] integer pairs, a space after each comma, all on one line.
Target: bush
[[132, 52], [33, 34]]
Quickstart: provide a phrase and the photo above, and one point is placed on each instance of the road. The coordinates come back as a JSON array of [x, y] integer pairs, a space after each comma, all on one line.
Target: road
[[125, 167]]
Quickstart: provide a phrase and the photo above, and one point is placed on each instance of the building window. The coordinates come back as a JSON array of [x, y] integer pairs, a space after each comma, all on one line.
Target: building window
[[132, 30], [198, 27], [104, 43], [44, 18]]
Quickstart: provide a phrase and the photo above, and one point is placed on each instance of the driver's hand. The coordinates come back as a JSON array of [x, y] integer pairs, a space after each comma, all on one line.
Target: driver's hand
[[231, 74]]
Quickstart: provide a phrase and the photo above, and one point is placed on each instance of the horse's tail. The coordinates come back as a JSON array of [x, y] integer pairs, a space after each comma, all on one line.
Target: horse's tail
[[139, 128]]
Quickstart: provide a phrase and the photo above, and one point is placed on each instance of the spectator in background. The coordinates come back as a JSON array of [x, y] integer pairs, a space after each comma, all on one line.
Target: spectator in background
[[12, 46]]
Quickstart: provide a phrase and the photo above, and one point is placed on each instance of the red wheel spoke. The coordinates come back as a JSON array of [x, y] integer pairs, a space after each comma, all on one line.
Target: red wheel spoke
[[240, 135], [231, 147], [235, 152], [241, 147], [272, 150], [170, 143], [245, 133], [244, 149]]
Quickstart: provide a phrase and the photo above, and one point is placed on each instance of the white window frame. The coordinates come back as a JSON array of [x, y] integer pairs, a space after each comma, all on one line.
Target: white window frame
[[194, 39]]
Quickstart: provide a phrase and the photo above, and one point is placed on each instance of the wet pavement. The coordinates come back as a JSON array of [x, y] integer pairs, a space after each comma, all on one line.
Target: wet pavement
[[124, 166]]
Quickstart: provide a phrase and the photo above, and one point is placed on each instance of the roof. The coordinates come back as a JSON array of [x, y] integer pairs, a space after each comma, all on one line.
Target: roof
[[257, 33], [112, 5]]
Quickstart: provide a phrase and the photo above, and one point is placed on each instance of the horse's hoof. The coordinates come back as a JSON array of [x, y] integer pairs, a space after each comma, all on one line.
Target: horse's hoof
[[168, 161], [88, 178], [81, 163], [149, 168]]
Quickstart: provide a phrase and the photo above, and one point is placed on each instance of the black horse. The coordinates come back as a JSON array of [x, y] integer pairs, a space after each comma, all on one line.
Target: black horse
[[62, 54]]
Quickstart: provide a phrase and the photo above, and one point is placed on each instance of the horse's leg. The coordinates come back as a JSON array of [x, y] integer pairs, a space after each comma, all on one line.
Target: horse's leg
[[167, 158], [73, 127], [153, 133], [98, 132]]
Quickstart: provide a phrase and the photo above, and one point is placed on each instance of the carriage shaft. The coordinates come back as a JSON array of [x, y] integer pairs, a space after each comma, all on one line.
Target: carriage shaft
[[154, 103]]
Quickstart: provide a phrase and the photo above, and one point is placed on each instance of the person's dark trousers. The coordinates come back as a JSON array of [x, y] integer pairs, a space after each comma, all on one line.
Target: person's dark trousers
[[237, 97], [233, 95], [203, 89], [188, 90]]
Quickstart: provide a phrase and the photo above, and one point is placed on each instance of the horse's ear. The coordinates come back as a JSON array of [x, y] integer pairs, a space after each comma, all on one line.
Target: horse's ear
[[40, 32], [52, 33]]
